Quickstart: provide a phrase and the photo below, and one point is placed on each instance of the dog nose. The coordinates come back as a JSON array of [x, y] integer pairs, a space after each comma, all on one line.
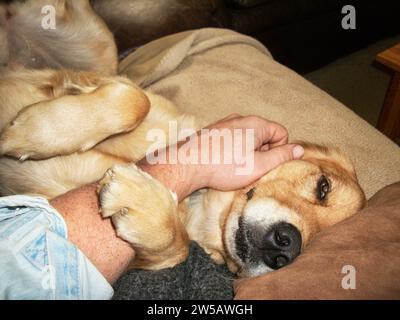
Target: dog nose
[[281, 245]]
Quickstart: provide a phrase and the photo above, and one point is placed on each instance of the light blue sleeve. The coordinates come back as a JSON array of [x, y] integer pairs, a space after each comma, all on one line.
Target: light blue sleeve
[[37, 262]]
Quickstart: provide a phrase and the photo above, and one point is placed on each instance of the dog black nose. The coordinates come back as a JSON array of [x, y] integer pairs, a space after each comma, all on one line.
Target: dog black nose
[[281, 245]]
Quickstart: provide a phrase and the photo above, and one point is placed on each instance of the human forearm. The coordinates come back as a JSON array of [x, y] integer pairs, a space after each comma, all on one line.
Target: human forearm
[[92, 234]]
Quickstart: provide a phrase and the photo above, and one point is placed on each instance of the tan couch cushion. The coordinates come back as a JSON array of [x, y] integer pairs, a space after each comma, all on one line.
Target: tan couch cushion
[[215, 72], [369, 242]]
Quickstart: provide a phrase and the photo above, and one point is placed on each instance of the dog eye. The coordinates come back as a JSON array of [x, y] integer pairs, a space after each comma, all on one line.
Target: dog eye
[[323, 188], [250, 194]]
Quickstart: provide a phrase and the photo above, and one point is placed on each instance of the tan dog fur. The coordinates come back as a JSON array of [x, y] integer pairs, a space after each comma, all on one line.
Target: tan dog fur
[[68, 128], [80, 40]]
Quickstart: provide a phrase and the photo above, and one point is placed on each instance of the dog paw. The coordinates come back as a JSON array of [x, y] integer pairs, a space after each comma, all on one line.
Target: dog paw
[[144, 213], [23, 138], [69, 123], [10, 145]]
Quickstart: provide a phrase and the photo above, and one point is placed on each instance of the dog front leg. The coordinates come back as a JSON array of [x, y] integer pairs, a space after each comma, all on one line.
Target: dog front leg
[[74, 123], [144, 213]]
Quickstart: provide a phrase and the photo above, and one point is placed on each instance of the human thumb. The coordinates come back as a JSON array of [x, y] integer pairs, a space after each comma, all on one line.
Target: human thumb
[[265, 161]]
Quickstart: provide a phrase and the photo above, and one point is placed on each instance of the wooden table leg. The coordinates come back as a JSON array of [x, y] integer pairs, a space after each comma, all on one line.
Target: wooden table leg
[[389, 119]]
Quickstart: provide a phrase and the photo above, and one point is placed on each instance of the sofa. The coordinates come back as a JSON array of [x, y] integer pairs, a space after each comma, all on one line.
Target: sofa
[[301, 34], [213, 72]]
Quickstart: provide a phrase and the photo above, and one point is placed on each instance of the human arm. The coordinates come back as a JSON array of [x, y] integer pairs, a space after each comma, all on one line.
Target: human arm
[[96, 237]]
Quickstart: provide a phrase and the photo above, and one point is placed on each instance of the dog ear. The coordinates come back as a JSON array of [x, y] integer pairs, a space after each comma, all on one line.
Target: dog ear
[[327, 153]]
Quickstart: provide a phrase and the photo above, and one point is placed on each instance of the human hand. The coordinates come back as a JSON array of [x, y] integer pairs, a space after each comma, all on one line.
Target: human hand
[[268, 148]]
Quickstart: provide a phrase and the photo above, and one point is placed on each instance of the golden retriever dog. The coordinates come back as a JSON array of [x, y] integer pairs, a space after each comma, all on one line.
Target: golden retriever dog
[[65, 128]]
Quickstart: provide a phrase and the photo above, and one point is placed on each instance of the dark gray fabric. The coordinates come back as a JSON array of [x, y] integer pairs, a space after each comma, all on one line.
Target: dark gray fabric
[[196, 278]]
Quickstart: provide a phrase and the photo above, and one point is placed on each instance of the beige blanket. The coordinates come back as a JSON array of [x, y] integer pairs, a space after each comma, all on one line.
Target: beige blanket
[[215, 72]]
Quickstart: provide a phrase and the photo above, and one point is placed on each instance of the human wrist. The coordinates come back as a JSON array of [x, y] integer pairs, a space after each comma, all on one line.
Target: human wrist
[[179, 178]]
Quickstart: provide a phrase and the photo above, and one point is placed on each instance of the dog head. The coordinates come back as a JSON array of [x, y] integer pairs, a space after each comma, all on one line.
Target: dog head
[[269, 223]]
